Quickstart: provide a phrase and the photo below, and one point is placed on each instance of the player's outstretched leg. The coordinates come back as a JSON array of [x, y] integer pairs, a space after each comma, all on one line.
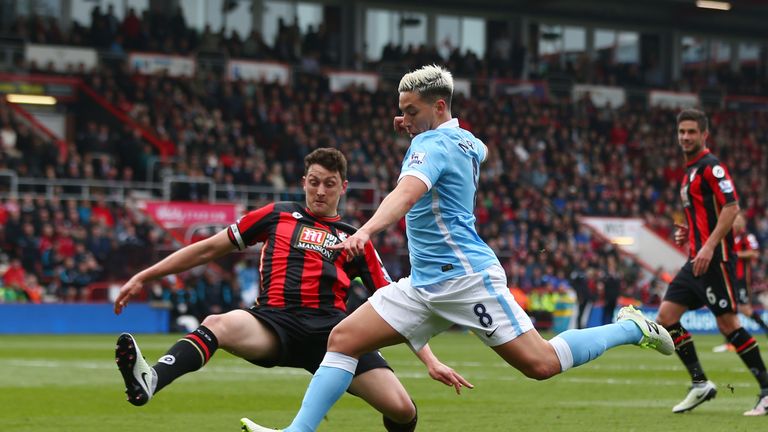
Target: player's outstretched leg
[[188, 354], [577, 347], [249, 426], [137, 374], [654, 335]]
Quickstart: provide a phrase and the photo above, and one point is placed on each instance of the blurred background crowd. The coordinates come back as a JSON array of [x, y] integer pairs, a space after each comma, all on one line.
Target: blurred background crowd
[[550, 161]]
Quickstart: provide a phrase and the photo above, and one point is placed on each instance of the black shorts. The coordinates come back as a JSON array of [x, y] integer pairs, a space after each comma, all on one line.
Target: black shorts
[[303, 335], [713, 289]]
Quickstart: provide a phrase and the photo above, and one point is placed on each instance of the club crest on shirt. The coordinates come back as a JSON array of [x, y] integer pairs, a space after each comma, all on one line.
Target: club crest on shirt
[[316, 239], [417, 158], [718, 171]]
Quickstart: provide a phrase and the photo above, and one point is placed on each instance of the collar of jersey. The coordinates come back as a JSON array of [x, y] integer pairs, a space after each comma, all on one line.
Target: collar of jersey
[[700, 155], [325, 218], [452, 123]]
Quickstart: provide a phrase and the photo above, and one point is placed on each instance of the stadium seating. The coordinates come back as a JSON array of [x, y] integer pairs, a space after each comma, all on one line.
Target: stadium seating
[[549, 162]]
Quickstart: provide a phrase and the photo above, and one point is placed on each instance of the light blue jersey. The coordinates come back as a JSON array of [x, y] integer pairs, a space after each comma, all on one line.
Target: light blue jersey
[[442, 240]]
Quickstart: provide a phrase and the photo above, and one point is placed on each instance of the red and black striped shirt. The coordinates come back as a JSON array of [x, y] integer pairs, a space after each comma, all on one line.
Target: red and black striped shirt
[[297, 268], [744, 242], [707, 187]]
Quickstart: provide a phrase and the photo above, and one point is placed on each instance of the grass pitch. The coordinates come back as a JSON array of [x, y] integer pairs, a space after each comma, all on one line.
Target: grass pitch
[[71, 383]]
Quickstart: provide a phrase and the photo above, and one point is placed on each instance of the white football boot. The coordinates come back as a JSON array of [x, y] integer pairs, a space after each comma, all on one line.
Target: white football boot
[[697, 395], [249, 426], [136, 372], [654, 335]]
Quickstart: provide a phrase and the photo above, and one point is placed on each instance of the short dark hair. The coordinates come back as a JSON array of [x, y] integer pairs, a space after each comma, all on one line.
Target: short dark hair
[[328, 158], [693, 114], [433, 95]]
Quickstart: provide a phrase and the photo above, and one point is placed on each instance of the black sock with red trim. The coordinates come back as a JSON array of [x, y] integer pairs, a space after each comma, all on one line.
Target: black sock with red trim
[[188, 354], [746, 347], [687, 351]]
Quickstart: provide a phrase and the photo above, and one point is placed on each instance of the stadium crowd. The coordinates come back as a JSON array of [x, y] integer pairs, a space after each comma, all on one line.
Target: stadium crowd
[[550, 162], [320, 46]]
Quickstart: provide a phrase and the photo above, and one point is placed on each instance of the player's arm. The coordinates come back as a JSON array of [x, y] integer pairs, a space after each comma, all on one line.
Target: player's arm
[[724, 226], [183, 259], [440, 372], [681, 234], [748, 255], [753, 251], [408, 191]]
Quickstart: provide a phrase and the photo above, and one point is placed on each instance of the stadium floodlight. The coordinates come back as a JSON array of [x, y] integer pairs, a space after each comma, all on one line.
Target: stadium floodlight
[[31, 99], [710, 4]]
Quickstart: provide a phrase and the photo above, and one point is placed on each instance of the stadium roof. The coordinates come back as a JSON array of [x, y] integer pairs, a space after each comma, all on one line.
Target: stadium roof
[[746, 18]]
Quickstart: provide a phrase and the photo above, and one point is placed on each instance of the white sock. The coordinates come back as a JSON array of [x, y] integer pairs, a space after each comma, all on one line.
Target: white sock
[[563, 351], [340, 361]]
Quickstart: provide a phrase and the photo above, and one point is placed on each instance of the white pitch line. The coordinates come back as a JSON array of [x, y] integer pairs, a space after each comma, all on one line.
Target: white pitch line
[[219, 372]]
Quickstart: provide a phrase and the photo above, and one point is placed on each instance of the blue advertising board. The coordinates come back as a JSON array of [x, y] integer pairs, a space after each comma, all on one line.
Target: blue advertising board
[[81, 318], [695, 321]]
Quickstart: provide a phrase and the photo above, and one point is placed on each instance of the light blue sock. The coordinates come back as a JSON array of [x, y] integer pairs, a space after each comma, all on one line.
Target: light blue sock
[[328, 385], [588, 344]]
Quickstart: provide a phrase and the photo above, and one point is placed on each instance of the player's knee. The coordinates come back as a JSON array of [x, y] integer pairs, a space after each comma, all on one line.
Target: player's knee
[[541, 370], [403, 418], [727, 327], [336, 340], [340, 340], [405, 412], [217, 324], [666, 320], [728, 319]]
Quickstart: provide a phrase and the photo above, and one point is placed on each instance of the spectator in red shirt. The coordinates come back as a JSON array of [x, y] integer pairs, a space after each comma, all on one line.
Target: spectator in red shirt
[[101, 212]]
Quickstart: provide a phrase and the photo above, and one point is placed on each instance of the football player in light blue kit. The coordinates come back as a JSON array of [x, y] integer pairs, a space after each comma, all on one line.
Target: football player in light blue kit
[[456, 278]]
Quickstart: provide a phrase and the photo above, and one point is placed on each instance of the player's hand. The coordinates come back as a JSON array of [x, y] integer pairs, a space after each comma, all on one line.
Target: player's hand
[[681, 234], [446, 375], [130, 289], [397, 123], [702, 260], [354, 245]]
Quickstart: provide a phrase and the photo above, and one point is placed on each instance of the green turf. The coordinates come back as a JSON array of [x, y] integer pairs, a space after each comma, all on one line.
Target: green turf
[[70, 383]]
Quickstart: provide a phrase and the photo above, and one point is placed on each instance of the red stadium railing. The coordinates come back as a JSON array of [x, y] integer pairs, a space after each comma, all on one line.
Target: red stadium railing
[[165, 148]]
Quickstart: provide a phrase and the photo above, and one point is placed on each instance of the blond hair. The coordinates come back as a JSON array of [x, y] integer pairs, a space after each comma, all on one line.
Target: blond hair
[[430, 82]]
